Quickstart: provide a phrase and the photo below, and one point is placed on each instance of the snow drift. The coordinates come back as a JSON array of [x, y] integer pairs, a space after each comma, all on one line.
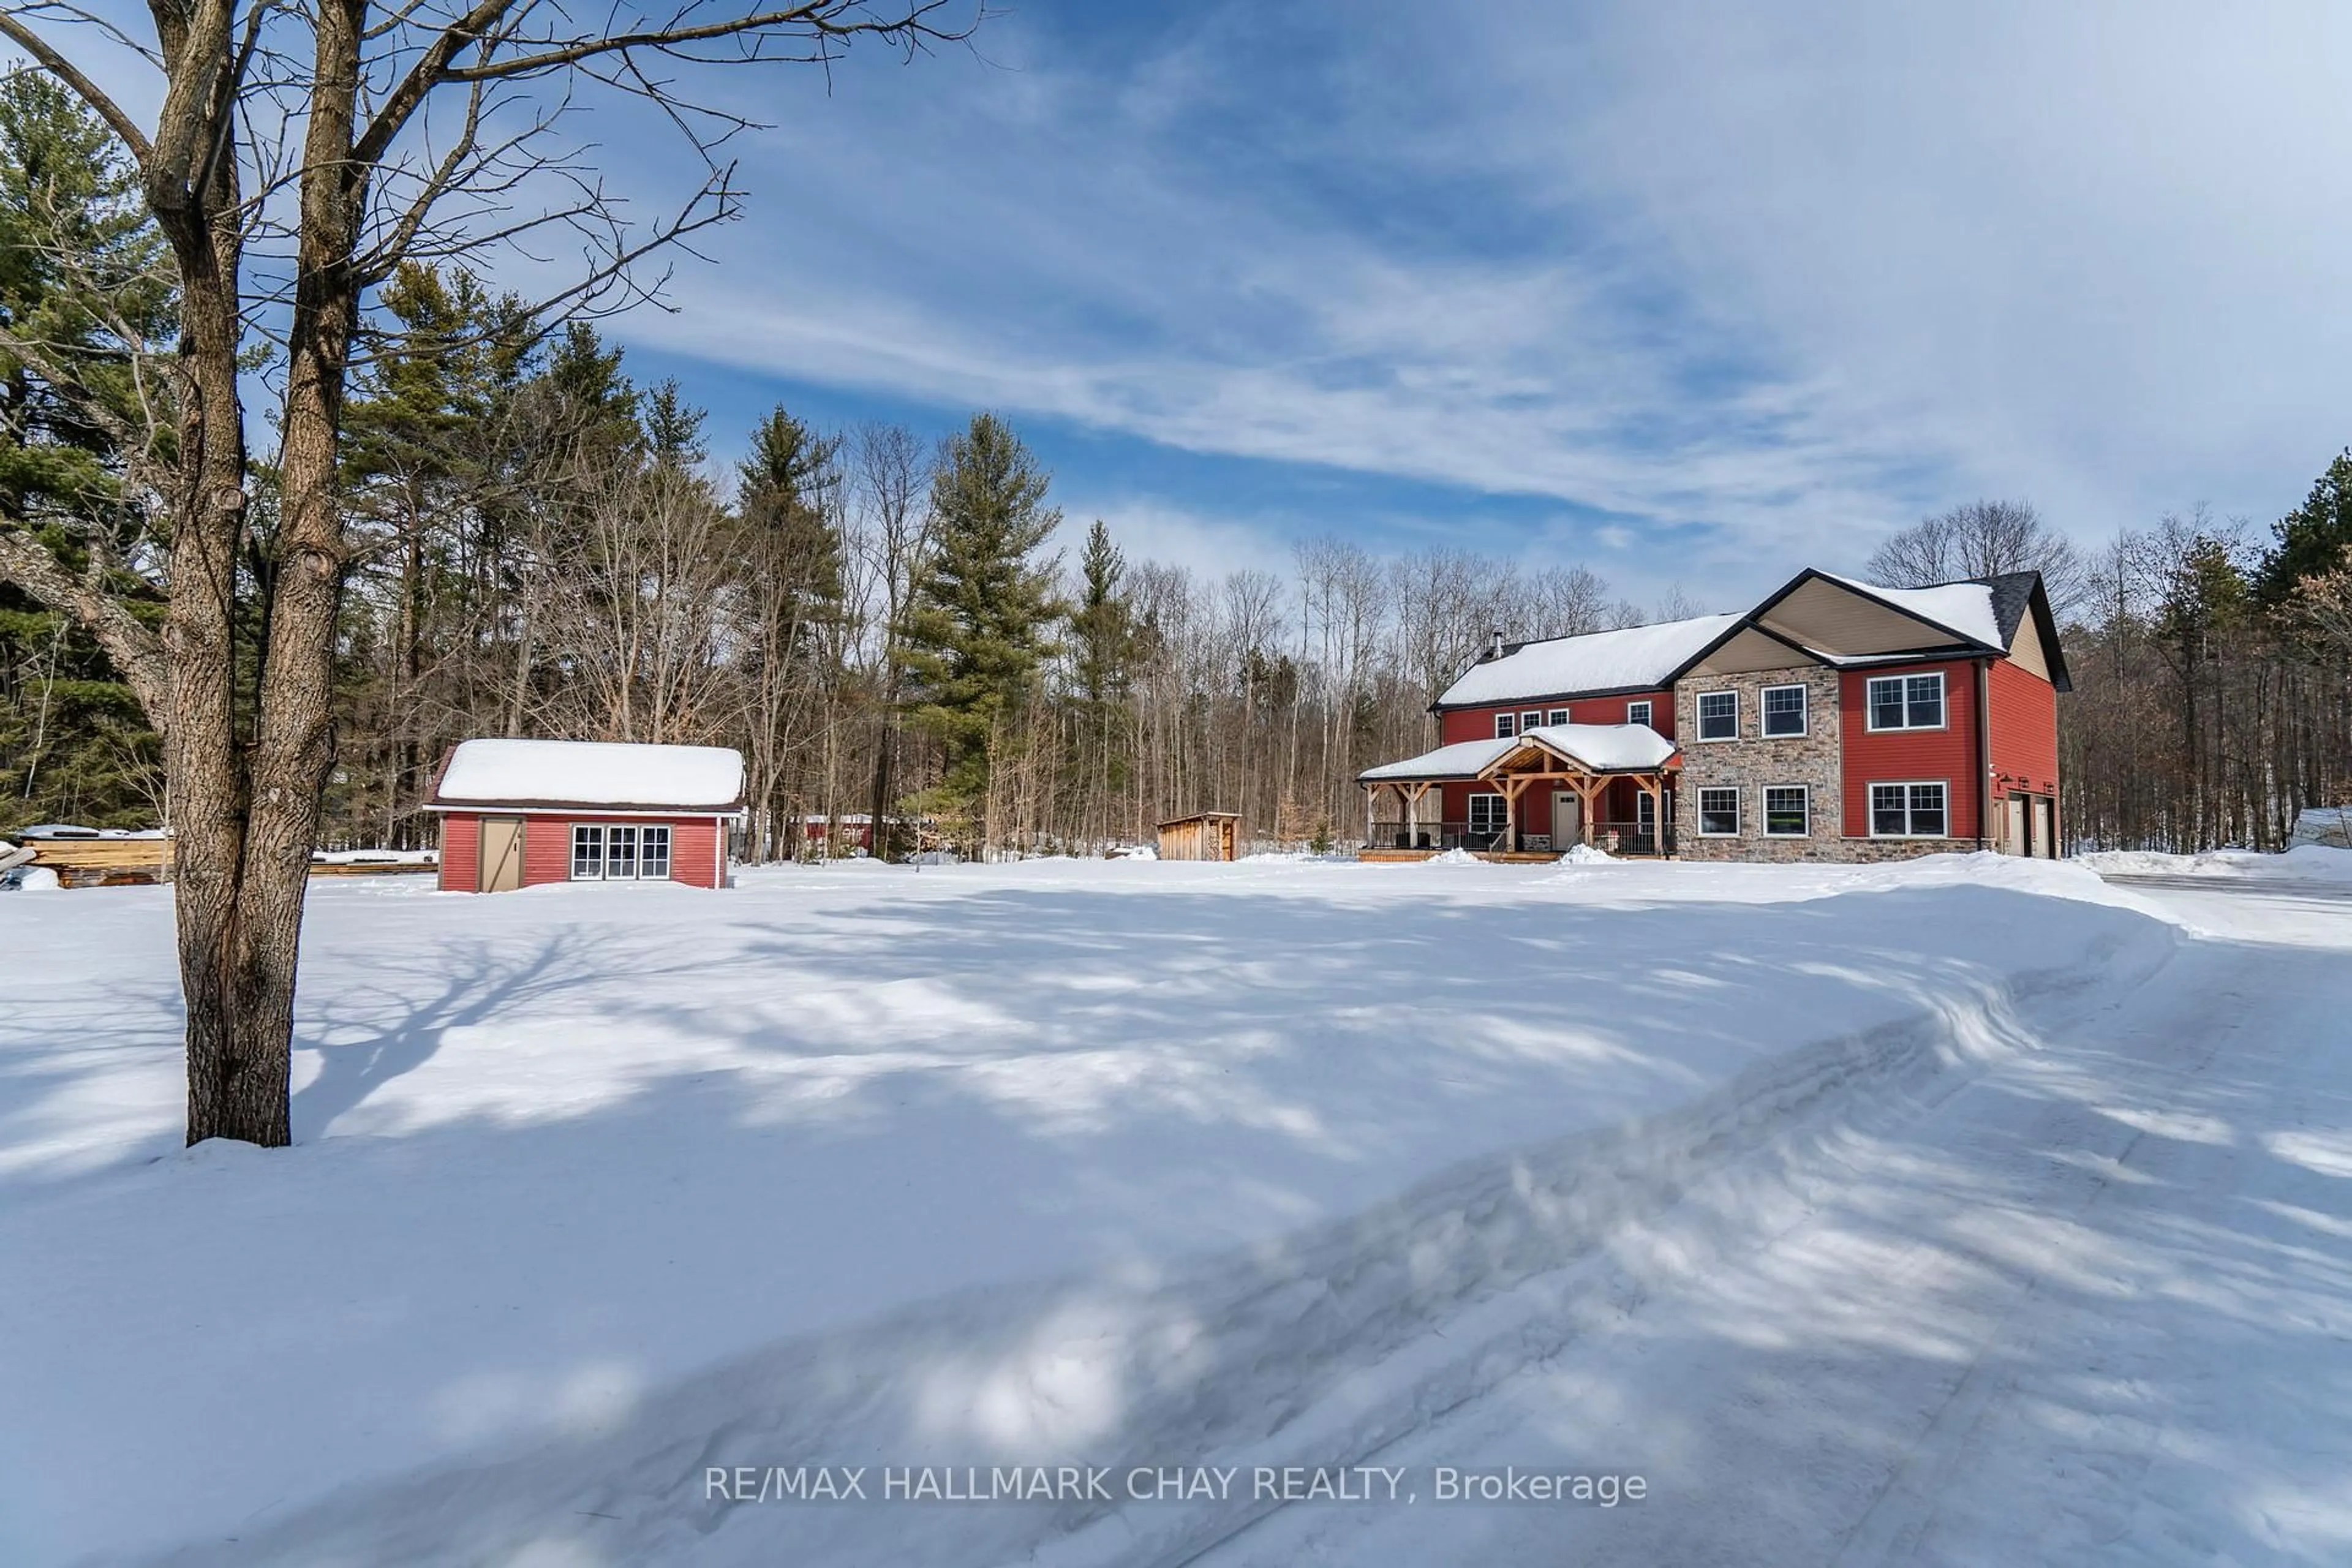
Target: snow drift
[[1097, 1163]]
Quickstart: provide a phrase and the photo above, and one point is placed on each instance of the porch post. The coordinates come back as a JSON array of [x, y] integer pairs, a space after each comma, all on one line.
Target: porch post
[[1369, 791]]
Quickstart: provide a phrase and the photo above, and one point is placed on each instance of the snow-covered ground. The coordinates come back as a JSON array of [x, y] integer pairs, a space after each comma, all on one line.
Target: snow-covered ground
[[2310, 862], [1818, 1196]]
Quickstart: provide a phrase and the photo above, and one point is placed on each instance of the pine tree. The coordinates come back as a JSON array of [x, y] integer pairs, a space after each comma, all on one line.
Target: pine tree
[[86, 291], [1104, 631], [2313, 538], [979, 628], [787, 505]]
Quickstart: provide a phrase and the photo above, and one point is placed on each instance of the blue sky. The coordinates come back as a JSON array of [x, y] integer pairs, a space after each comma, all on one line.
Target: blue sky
[[1692, 293]]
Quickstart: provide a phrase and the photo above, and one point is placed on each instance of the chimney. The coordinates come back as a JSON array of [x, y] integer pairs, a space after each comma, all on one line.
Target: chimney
[[1495, 650]]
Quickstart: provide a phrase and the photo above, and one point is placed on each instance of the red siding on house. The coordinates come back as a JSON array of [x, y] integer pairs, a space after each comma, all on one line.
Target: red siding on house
[[1478, 723], [2024, 710], [1912, 756], [461, 851]]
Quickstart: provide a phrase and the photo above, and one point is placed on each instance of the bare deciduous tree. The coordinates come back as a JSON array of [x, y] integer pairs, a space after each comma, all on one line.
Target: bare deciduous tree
[[296, 157], [1981, 539]]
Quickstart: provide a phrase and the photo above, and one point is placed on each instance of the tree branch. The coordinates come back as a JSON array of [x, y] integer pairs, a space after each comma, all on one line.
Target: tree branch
[[135, 649], [64, 69]]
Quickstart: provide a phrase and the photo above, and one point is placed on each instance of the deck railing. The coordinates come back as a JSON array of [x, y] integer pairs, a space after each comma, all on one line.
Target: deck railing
[[1617, 837]]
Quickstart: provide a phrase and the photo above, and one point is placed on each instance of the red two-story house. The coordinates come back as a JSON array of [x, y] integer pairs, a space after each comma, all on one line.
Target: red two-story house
[[1834, 721]]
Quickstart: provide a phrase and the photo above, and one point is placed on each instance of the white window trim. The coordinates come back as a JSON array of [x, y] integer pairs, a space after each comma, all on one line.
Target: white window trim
[[1698, 719], [1502, 820], [1870, 805], [1738, 813], [572, 871], [669, 851], [1804, 712], [1944, 706], [1647, 710], [1503, 719], [1534, 713], [1556, 716], [1764, 811]]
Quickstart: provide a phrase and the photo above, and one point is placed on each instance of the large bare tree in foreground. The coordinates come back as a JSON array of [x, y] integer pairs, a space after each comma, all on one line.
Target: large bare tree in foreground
[[297, 154]]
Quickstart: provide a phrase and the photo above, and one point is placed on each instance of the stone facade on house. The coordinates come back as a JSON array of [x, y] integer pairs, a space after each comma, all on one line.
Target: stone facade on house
[[1757, 762]]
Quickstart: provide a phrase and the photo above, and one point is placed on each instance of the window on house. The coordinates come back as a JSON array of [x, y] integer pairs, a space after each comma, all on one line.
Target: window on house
[[1506, 726], [1531, 719], [1718, 715], [1557, 716], [1906, 701], [587, 852], [1487, 813], [1719, 812], [1788, 811], [1637, 712], [1907, 811], [1784, 709], [653, 855]]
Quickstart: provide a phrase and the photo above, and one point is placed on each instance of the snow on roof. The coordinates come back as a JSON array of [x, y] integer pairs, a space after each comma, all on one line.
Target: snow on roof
[[1606, 748], [592, 773], [1462, 760], [1966, 607], [1636, 659], [1600, 748]]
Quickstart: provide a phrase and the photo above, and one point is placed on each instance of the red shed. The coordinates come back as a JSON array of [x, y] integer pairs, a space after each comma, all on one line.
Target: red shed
[[515, 813]]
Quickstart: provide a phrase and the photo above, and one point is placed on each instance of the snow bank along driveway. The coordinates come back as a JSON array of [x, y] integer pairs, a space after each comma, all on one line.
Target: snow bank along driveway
[[598, 1188]]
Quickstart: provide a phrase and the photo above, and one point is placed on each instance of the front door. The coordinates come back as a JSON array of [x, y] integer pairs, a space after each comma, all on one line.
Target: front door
[[1567, 819], [501, 865]]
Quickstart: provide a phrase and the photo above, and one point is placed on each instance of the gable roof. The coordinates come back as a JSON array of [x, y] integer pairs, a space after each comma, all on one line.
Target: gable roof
[[1595, 748], [1972, 616], [1635, 658], [611, 774]]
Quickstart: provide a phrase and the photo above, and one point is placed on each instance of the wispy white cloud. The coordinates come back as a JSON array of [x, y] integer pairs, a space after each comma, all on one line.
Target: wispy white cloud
[[1794, 272]]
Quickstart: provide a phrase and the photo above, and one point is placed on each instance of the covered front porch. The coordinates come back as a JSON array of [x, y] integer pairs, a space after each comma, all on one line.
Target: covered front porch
[[1531, 796]]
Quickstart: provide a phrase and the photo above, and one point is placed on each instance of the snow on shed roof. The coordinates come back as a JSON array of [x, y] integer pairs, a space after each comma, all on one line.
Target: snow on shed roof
[[1599, 747], [1965, 607], [1638, 659], [592, 773]]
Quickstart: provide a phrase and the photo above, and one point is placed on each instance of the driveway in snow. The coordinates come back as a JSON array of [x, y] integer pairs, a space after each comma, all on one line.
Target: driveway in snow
[[2095, 1306]]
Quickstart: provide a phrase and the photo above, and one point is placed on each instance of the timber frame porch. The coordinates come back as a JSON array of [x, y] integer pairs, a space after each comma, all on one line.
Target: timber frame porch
[[1582, 760]]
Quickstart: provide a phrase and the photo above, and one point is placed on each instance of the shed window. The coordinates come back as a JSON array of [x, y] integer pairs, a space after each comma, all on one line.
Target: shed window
[[1787, 811], [1908, 810], [1718, 715], [1557, 716], [587, 851], [1637, 712], [1908, 701], [1719, 812], [1531, 720], [1784, 709], [619, 852], [1506, 726]]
